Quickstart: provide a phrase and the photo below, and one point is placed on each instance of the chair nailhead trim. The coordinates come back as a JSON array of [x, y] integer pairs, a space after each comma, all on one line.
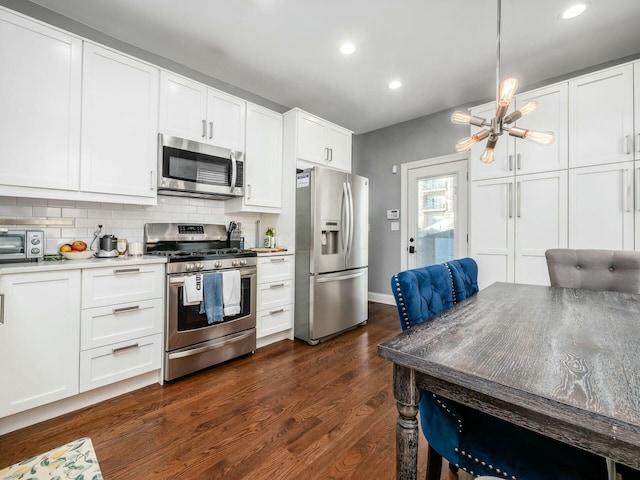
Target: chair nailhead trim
[[453, 288], [405, 317]]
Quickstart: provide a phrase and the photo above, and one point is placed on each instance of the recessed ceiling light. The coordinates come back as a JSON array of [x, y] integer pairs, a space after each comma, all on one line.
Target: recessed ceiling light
[[574, 10], [347, 48], [395, 84]]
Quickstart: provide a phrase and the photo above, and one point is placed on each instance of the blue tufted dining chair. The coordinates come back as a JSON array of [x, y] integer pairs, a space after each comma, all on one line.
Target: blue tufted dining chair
[[468, 439]]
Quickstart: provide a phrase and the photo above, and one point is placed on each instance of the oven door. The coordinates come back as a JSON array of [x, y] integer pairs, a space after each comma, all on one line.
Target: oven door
[[12, 244], [186, 326]]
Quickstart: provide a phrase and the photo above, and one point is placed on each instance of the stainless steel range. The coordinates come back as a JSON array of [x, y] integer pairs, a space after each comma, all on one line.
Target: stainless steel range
[[191, 341]]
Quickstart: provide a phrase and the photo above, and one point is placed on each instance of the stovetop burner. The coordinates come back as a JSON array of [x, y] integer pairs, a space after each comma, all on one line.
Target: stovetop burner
[[211, 254]]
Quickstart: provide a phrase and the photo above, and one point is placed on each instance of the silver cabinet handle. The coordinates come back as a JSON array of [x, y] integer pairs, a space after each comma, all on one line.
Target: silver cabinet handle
[[248, 191], [210, 130], [331, 154], [120, 349], [628, 141], [279, 259], [273, 312], [152, 180], [510, 200], [1, 308], [276, 285], [126, 270], [126, 309], [204, 129], [638, 145], [518, 198], [511, 163], [627, 190], [519, 161], [637, 186]]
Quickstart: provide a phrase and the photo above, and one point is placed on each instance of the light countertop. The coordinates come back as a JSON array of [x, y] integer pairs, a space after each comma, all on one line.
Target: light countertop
[[51, 265]]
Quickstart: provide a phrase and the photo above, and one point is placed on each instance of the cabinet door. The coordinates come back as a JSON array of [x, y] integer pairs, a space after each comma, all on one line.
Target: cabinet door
[[40, 104], [225, 120], [601, 117], [636, 96], [636, 192], [601, 207], [263, 164], [312, 139], [39, 341], [183, 107], [339, 142], [551, 115], [491, 230], [540, 223], [119, 124], [502, 166]]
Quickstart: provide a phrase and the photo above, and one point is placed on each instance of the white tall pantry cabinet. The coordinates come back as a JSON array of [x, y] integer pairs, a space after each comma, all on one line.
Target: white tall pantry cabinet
[[518, 203]]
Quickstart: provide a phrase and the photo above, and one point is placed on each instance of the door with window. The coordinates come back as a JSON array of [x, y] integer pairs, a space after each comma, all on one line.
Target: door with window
[[435, 230]]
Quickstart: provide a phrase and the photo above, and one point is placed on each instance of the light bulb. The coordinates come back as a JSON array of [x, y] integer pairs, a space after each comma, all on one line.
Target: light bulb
[[528, 108], [488, 156], [507, 90], [541, 138], [460, 117], [465, 144]]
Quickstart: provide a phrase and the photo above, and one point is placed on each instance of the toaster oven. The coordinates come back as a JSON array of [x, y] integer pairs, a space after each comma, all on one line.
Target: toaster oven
[[16, 245]]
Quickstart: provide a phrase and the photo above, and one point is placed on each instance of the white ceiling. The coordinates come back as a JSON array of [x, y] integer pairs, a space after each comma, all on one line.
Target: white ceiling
[[443, 51]]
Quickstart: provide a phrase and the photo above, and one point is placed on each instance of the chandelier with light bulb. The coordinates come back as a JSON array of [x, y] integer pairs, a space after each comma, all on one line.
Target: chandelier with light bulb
[[501, 122]]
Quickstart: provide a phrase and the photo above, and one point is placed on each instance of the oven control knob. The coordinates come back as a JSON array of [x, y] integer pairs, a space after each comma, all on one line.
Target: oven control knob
[[200, 266], [189, 267], [218, 264], [235, 263], [243, 262]]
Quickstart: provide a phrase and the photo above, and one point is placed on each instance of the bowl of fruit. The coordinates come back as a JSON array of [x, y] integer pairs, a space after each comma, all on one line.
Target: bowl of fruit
[[76, 250]]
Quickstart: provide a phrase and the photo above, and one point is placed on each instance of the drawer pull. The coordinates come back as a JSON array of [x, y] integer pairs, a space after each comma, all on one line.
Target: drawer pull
[[1, 308], [126, 270], [120, 349], [280, 259], [126, 309], [273, 312], [277, 285]]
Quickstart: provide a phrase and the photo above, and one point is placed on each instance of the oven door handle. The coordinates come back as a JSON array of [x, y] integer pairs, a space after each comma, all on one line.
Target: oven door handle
[[235, 337]]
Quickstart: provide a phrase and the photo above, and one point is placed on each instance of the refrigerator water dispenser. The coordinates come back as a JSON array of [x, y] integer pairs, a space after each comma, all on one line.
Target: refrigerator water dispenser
[[329, 240]]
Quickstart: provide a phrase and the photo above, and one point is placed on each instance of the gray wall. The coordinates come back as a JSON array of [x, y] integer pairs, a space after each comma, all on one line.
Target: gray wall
[[374, 154]]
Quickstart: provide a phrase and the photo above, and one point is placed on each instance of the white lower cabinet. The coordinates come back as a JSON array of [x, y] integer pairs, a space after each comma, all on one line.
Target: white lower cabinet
[[601, 207], [121, 327], [513, 222], [39, 340], [275, 294]]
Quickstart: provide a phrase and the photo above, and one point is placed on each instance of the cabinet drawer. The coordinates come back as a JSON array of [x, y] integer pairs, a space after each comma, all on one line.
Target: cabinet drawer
[[274, 320], [274, 294], [273, 269], [119, 323], [114, 285], [104, 365]]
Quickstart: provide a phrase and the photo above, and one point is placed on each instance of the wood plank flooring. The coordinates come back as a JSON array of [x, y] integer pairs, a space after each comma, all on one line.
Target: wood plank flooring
[[289, 411]]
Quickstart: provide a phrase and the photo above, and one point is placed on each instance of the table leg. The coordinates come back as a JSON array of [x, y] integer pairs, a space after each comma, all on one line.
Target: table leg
[[408, 397]]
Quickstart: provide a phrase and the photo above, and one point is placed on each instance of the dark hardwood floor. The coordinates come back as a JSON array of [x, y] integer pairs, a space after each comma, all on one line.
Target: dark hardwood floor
[[289, 411]]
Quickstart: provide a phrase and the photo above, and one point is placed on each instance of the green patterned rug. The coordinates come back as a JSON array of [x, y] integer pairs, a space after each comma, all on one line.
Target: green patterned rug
[[73, 461]]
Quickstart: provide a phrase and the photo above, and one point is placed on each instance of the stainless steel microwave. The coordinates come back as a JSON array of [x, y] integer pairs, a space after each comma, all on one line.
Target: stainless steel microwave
[[192, 169], [16, 245]]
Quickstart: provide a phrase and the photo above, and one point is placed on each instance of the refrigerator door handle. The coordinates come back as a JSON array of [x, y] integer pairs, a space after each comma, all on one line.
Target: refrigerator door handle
[[351, 220], [340, 278], [345, 215]]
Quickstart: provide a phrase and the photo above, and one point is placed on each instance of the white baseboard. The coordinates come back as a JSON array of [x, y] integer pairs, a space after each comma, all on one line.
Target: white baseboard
[[381, 298]]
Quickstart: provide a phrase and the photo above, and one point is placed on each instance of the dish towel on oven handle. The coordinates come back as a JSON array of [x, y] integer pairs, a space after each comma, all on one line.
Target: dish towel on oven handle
[[231, 292], [212, 297], [192, 290]]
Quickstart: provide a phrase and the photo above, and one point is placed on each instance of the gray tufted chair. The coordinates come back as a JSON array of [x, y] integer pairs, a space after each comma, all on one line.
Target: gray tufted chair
[[613, 270]]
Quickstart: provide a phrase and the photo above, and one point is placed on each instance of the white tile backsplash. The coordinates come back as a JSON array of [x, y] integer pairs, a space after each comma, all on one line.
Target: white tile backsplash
[[123, 221]]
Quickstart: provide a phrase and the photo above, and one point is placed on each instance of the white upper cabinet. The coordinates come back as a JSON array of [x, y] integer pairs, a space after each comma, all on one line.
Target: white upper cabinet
[[191, 110], [119, 124], [40, 103], [319, 142], [520, 156], [601, 117], [551, 115], [263, 163]]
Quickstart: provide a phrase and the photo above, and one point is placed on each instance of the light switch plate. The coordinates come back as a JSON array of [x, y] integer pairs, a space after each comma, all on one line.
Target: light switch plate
[[395, 226]]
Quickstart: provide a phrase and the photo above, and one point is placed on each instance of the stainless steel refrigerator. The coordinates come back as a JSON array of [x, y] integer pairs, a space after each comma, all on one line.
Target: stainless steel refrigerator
[[332, 253]]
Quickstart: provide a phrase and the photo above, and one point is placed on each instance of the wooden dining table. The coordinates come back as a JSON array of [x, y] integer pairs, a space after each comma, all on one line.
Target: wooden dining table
[[559, 361]]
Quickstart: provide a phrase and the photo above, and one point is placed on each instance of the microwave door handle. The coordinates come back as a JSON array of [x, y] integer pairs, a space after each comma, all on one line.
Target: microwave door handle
[[234, 172]]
